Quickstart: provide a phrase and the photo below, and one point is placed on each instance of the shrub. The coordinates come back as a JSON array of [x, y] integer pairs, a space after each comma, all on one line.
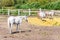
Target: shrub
[[52, 5], [17, 6], [4, 11], [23, 14], [14, 13], [33, 5], [0, 11], [25, 6]]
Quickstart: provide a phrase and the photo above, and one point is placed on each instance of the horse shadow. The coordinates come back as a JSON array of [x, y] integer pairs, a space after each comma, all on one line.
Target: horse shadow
[[23, 31]]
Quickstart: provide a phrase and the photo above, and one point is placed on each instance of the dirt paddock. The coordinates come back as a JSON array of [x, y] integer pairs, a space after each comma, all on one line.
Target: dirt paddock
[[28, 31]]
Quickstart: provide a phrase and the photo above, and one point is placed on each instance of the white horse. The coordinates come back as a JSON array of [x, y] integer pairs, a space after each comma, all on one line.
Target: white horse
[[41, 14], [50, 13], [15, 20]]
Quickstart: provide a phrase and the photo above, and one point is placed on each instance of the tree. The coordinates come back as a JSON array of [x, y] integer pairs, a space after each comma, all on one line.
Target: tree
[[7, 2], [0, 4]]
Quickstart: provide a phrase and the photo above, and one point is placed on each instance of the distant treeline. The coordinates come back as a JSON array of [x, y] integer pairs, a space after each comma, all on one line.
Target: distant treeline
[[32, 4]]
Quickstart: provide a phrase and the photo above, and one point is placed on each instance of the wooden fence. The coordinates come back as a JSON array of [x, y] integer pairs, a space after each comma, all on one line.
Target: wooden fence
[[27, 10]]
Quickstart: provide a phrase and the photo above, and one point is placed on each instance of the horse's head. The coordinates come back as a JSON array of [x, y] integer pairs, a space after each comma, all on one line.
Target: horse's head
[[25, 18]]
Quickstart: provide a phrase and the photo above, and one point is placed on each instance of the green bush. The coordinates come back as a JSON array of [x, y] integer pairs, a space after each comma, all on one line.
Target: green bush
[[0, 11], [0, 7], [57, 5], [14, 13], [25, 6], [24, 13], [17, 6], [52, 5], [4, 11], [34, 5]]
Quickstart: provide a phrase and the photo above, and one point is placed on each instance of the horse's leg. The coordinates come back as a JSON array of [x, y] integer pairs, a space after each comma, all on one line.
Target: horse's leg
[[17, 29], [11, 28], [52, 16]]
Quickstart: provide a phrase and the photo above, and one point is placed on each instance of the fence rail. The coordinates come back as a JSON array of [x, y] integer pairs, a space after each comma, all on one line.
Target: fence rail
[[24, 10]]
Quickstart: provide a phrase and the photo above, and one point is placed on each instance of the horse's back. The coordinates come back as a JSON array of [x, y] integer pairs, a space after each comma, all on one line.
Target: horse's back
[[17, 19]]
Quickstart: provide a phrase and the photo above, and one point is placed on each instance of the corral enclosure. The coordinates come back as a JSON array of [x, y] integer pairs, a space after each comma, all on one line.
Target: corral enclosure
[[33, 16], [33, 30], [28, 31]]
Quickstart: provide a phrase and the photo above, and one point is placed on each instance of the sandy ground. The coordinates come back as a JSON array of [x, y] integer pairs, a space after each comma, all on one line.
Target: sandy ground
[[28, 31]]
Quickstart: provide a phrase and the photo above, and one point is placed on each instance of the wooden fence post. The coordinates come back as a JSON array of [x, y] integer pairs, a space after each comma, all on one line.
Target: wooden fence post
[[40, 9], [2, 10], [8, 12], [18, 12], [29, 12]]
